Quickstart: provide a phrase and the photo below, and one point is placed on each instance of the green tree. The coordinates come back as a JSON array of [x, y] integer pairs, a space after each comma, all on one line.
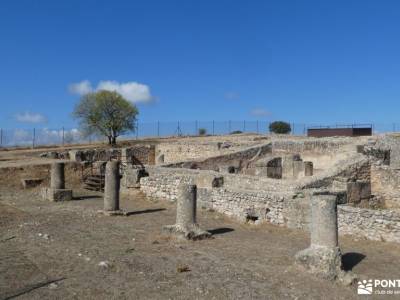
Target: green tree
[[280, 127], [105, 113], [202, 131]]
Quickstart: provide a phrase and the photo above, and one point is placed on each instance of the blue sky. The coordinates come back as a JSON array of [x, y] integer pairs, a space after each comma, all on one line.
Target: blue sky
[[302, 61]]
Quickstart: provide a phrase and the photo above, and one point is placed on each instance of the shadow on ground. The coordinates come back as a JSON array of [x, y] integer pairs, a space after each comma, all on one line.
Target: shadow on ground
[[351, 259]]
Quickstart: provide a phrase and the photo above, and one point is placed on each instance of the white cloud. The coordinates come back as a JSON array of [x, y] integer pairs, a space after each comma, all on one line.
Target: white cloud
[[28, 117], [260, 112], [134, 92], [80, 88]]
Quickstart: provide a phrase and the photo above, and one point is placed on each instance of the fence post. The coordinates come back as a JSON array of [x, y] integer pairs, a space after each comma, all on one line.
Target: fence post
[[33, 138], [63, 136], [244, 126], [213, 128], [292, 128], [158, 128]]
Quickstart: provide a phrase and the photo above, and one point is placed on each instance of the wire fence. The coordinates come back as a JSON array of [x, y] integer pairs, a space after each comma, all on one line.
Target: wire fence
[[62, 136]]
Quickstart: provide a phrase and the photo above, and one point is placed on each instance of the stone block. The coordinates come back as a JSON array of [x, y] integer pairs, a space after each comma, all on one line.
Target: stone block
[[56, 194], [274, 172], [131, 177], [357, 191], [75, 155], [31, 182]]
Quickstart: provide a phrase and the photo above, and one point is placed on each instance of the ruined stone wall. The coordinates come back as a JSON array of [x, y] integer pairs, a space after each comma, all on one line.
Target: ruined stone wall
[[355, 167], [377, 225], [279, 205], [12, 176], [176, 152], [385, 182], [323, 152], [203, 147], [239, 204], [237, 160]]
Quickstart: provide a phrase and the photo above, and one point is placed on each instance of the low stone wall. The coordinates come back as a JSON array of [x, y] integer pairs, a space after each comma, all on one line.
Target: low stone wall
[[239, 204], [283, 206], [315, 145], [238, 160], [377, 225], [356, 167], [201, 148]]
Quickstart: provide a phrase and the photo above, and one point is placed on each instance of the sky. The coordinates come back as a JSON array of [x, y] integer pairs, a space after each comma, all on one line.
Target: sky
[[305, 61]]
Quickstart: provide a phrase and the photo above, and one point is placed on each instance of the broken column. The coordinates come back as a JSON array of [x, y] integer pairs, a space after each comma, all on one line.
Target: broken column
[[308, 168], [57, 190], [111, 189], [186, 225], [323, 257], [298, 169]]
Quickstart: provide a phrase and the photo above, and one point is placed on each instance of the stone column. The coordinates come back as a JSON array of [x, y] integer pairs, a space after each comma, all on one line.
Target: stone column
[[57, 190], [308, 168], [186, 225], [323, 257], [111, 187], [324, 227], [57, 177], [186, 206]]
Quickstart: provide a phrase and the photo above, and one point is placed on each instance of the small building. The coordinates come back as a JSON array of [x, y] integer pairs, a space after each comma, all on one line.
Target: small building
[[346, 130]]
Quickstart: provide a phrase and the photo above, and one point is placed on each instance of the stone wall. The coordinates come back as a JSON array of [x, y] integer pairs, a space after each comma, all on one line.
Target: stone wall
[[355, 167], [323, 152], [195, 149], [385, 182], [238, 160], [247, 198], [377, 225], [139, 155]]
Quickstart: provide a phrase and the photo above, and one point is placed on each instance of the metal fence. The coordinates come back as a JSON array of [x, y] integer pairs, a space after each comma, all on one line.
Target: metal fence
[[61, 136]]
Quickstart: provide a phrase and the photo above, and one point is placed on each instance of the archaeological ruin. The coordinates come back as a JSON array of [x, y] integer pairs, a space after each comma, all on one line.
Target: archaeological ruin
[[329, 189]]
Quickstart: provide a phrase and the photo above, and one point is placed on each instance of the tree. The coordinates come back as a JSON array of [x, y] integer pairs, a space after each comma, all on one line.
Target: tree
[[105, 113], [280, 127], [202, 131]]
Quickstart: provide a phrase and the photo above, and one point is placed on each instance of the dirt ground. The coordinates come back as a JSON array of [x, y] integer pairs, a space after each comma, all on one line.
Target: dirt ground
[[64, 242]]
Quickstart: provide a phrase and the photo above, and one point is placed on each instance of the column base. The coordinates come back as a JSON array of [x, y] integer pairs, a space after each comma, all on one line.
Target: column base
[[190, 232], [56, 195], [322, 261]]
